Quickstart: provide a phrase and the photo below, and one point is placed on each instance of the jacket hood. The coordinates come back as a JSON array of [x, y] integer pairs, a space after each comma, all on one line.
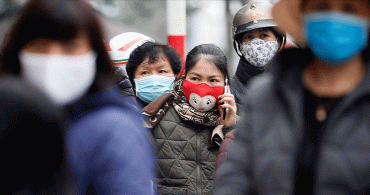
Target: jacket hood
[[109, 96]]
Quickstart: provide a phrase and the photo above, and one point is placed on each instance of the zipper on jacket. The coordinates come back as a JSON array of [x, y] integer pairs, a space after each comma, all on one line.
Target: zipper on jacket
[[197, 161]]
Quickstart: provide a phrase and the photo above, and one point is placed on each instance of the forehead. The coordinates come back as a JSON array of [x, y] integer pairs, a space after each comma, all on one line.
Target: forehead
[[259, 30], [357, 6], [205, 68], [161, 60]]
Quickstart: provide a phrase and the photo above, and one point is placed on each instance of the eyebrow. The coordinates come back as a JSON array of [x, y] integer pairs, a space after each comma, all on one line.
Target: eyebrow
[[263, 30], [212, 76], [196, 74]]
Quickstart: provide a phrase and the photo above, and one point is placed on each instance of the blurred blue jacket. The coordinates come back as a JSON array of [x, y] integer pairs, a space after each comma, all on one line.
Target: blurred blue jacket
[[109, 150]]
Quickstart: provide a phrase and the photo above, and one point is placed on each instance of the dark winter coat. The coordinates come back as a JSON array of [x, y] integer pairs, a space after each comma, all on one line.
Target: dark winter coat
[[124, 84], [262, 157], [110, 152], [238, 82], [185, 165]]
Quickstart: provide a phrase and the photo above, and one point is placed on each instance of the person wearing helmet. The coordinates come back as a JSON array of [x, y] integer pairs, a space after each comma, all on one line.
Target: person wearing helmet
[[255, 40], [306, 127], [119, 48]]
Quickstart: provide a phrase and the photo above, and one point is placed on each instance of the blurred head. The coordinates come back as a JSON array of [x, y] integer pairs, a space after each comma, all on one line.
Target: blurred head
[[48, 32], [346, 23], [31, 141]]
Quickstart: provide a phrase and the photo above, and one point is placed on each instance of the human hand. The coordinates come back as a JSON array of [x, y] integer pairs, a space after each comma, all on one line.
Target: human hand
[[230, 108]]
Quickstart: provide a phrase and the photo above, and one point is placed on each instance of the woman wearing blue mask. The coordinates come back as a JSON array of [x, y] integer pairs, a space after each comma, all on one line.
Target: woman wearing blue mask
[[58, 48], [152, 68], [307, 127]]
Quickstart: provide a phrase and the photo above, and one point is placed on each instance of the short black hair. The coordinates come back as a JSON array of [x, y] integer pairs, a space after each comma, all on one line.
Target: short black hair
[[214, 55], [153, 51]]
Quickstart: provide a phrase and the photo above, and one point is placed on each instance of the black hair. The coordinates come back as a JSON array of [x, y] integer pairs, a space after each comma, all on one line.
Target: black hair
[[214, 54], [153, 51], [59, 20]]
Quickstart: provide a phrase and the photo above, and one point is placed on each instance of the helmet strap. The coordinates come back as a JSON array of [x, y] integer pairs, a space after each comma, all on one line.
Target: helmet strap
[[237, 48]]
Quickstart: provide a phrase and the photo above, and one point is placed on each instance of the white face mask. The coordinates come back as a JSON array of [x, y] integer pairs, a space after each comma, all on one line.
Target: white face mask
[[259, 52], [63, 78]]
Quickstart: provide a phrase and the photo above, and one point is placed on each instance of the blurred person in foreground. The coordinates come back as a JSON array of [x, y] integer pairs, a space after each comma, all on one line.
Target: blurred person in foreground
[[306, 128], [57, 47], [187, 123], [152, 69], [120, 48], [31, 142]]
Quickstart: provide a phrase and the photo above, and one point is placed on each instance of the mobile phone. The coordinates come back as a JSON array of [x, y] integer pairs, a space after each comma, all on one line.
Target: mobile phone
[[225, 90]]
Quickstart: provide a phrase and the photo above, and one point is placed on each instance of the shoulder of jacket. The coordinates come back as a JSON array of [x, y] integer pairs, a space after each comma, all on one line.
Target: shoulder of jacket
[[235, 84], [261, 86]]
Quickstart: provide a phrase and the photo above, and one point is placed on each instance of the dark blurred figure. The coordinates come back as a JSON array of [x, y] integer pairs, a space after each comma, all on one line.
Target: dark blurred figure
[[306, 127], [57, 46], [31, 142]]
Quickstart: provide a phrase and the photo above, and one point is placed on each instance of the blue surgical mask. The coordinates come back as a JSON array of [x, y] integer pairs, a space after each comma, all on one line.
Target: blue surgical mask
[[335, 37], [151, 87]]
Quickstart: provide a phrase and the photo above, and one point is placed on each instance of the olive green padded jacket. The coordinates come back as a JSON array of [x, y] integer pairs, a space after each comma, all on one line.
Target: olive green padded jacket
[[185, 165]]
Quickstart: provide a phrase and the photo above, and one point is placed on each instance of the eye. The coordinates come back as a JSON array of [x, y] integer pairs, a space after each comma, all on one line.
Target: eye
[[194, 79], [247, 37], [208, 102], [214, 81], [162, 71], [145, 72], [265, 35], [195, 100], [348, 8]]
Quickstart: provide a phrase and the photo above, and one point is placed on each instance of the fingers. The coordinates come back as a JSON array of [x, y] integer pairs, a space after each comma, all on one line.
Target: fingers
[[229, 98]]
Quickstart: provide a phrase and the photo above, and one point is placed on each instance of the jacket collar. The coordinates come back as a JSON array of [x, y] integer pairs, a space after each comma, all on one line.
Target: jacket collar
[[246, 71]]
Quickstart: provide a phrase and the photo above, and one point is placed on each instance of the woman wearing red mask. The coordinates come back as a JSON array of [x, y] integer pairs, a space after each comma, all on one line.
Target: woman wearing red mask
[[188, 123]]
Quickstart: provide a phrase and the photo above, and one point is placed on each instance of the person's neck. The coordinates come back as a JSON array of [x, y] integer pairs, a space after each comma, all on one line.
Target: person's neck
[[337, 81]]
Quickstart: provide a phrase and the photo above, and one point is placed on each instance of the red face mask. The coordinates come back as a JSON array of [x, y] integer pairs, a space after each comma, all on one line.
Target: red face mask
[[202, 96]]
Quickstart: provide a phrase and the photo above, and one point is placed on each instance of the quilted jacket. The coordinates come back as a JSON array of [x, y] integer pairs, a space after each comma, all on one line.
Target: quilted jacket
[[262, 157], [185, 165]]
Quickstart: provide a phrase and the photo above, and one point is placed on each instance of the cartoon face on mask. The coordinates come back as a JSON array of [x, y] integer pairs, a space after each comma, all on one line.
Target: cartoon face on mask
[[202, 96]]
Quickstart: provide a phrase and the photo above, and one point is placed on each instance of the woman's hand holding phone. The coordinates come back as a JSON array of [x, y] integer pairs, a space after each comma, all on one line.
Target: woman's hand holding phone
[[227, 107]]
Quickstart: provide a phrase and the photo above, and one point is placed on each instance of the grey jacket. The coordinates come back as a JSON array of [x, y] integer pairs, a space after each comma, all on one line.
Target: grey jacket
[[185, 165], [262, 157]]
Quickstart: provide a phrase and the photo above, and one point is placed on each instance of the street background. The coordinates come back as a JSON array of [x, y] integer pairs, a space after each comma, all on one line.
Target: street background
[[207, 21]]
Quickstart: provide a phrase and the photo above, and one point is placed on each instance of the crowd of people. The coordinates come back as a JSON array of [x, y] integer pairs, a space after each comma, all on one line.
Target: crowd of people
[[81, 115]]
